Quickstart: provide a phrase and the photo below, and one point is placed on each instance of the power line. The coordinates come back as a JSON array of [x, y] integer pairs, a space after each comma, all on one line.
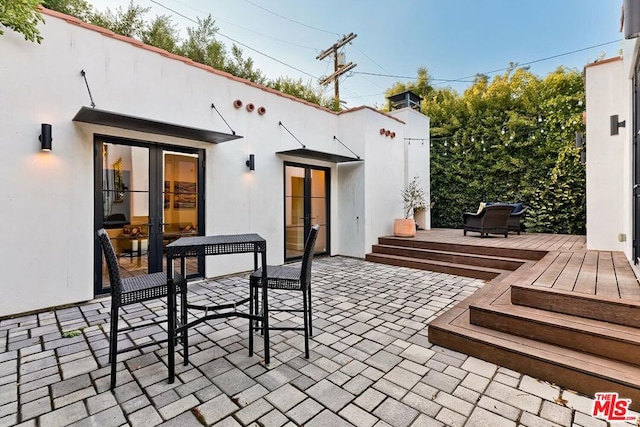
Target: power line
[[246, 29], [461, 79], [291, 20], [542, 59], [406, 77], [237, 42], [371, 59]]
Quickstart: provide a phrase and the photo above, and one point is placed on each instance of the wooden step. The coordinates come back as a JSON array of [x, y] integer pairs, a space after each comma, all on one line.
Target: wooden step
[[612, 310], [527, 254], [586, 335], [582, 372], [477, 272], [501, 263]]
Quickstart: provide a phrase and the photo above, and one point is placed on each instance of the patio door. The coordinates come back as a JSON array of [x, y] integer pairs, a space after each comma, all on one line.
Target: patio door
[[146, 196], [306, 202]]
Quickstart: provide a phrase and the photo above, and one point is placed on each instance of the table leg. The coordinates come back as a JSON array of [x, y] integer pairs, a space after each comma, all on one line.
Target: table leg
[[171, 321], [251, 313], [265, 308]]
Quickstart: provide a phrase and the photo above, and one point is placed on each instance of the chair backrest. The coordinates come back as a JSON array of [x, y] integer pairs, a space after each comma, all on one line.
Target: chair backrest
[[307, 258], [496, 215], [112, 262]]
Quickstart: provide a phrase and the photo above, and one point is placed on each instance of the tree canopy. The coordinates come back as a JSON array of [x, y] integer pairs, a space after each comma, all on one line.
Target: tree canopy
[[21, 16]]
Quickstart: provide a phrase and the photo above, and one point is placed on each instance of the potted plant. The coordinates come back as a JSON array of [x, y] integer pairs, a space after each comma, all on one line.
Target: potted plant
[[414, 203]]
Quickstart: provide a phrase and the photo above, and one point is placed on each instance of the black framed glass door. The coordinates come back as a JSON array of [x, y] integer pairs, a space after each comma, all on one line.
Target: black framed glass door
[[146, 196], [306, 200]]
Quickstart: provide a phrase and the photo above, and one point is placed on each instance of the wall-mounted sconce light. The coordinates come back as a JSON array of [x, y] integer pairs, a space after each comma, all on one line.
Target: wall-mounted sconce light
[[615, 124], [251, 163], [45, 137]]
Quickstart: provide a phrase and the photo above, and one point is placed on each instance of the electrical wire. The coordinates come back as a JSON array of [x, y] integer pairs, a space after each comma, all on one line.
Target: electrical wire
[[237, 42], [462, 79], [541, 60], [291, 20], [247, 29]]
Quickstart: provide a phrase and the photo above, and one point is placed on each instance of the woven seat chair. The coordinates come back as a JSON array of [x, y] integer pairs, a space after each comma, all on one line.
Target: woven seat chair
[[132, 290], [293, 279]]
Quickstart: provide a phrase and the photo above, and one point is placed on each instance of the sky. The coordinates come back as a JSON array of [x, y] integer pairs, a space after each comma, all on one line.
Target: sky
[[453, 39]]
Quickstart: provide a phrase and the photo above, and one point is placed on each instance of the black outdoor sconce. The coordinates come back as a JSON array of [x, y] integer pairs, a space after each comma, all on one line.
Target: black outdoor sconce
[[251, 163], [615, 124], [45, 137]]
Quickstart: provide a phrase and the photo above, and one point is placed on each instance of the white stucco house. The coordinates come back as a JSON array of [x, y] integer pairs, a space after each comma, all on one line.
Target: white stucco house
[[612, 137], [153, 146]]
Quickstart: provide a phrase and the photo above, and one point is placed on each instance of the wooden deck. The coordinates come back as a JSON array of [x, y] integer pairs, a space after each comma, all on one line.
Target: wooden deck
[[567, 266], [550, 308]]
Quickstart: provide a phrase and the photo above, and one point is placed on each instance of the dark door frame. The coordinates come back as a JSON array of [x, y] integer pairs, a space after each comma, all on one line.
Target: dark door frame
[[307, 204], [156, 188]]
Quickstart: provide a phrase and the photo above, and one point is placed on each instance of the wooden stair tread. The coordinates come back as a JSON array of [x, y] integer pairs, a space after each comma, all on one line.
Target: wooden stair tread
[[595, 366], [435, 262], [565, 321], [440, 251], [526, 254]]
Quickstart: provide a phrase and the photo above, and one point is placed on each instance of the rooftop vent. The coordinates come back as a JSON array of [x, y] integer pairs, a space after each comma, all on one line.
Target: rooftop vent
[[404, 100]]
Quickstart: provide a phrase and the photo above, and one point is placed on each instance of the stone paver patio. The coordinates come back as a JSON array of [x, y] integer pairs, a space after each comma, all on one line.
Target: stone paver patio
[[371, 364]]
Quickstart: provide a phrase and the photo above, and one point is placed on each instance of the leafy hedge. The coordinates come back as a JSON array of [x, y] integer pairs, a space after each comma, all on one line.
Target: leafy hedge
[[511, 140]]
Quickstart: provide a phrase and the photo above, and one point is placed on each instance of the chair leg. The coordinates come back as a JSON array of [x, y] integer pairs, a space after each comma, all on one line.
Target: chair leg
[[305, 309], [113, 345], [251, 312], [183, 321], [309, 311]]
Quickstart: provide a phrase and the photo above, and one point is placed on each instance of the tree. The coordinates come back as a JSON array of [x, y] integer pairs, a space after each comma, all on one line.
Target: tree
[[21, 16], [301, 90], [78, 8], [510, 139], [238, 66], [162, 33], [202, 46], [129, 23]]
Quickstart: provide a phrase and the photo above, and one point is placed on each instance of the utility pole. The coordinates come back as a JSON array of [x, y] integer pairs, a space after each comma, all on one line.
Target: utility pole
[[338, 69]]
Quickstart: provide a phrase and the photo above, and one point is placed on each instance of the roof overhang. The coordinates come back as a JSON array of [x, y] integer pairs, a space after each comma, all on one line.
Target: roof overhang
[[320, 155], [123, 121]]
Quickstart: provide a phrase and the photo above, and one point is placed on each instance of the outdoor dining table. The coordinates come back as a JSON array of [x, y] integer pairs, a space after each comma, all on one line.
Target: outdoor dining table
[[197, 246]]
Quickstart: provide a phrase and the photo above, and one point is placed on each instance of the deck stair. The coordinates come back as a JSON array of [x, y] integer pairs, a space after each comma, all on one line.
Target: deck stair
[[582, 342], [550, 308], [463, 260]]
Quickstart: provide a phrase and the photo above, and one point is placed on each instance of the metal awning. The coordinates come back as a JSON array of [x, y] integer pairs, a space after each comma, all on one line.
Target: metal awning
[[320, 155], [123, 121]]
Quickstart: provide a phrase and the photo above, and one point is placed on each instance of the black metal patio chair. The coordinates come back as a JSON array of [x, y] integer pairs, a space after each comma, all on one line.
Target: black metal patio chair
[[132, 290], [293, 279]]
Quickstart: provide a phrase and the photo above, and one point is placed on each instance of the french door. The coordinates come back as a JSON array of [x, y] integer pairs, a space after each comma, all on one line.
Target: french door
[[306, 200], [146, 196]]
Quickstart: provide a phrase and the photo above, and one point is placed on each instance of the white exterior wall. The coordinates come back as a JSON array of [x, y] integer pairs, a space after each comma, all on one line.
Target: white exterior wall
[[417, 158], [47, 214], [607, 92]]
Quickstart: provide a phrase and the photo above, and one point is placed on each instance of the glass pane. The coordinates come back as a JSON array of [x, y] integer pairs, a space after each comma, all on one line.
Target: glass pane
[[125, 198], [318, 187], [294, 181], [180, 196], [294, 211], [319, 211], [294, 244], [321, 241]]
